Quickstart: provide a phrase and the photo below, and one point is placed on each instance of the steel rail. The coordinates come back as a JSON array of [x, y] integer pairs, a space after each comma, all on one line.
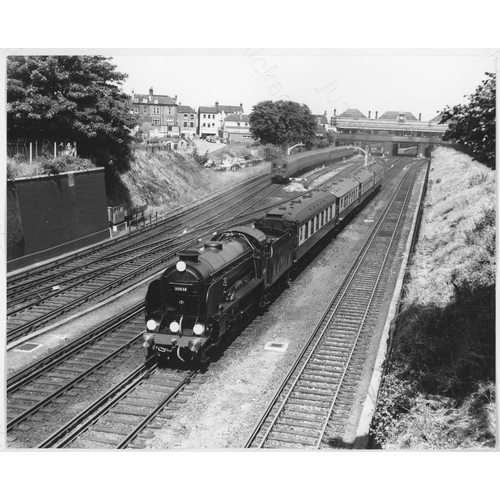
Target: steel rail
[[44, 402], [76, 426], [300, 359], [37, 369]]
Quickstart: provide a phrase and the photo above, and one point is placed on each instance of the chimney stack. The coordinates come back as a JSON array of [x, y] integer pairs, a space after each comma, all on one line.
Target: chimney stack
[[420, 117], [376, 115], [334, 112], [369, 114]]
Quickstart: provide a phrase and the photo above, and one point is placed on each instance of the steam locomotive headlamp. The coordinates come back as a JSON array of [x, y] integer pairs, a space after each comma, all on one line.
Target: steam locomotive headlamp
[[151, 324], [180, 266], [174, 327], [198, 329]]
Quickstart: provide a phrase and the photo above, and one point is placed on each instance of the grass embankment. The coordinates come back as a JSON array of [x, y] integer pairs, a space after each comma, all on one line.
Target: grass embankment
[[164, 180], [439, 390]]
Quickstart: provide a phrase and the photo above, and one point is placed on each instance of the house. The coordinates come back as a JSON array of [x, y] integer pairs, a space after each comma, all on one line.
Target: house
[[188, 121], [157, 113], [211, 118], [237, 128], [322, 125]]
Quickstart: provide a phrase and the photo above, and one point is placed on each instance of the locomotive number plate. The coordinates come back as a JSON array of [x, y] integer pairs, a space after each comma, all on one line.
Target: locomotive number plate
[[180, 289]]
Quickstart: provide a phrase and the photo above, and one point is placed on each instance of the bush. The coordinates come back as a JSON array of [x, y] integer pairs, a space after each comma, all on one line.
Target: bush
[[200, 159]]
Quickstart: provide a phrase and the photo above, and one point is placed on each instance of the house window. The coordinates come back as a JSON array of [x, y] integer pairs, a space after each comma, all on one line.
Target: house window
[[137, 109], [185, 116], [156, 111], [145, 110], [192, 117], [185, 124], [144, 101], [204, 116], [156, 101], [191, 124], [169, 111], [238, 124], [156, 121]]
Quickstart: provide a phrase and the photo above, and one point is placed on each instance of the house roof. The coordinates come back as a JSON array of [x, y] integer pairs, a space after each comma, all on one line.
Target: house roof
[[352, 113], [229, 108], [219, 108], [164, 100], [321, 119], [393, 115], [207, 109], [237, 118], [185, 109]]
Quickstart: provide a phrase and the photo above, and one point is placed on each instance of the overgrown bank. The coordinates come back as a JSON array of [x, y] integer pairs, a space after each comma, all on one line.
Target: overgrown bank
[[167, 179], [439, 390]]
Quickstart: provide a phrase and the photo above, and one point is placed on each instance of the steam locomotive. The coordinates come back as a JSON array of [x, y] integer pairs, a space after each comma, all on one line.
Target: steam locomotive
[[212, 288], [287, 166]]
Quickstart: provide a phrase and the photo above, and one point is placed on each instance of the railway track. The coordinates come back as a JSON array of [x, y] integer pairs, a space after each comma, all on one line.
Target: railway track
[[41, 387], [313, 404], [125, 413]]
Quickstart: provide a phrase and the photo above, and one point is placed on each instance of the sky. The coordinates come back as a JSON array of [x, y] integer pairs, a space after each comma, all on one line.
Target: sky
[[419, 81]]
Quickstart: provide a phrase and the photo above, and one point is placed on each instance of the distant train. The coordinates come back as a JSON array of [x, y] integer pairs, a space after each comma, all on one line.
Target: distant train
[[211, 289], [288, 166], [408, 151]]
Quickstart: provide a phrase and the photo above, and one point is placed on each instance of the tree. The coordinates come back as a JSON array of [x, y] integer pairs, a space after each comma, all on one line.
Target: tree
[[474, 124], [283, 123], [70, 98]]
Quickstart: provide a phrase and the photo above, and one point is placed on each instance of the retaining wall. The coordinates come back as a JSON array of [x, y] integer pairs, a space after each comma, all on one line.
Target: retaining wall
[[53, 214]]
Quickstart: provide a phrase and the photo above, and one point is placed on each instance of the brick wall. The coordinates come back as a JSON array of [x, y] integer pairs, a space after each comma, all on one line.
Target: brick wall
[[56, 214]]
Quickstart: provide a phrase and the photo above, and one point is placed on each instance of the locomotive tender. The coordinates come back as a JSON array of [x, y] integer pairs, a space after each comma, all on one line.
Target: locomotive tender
[[287, 166], [211, 289]]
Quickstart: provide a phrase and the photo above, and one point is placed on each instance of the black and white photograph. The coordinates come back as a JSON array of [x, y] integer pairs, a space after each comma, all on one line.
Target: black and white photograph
[[253, 250]]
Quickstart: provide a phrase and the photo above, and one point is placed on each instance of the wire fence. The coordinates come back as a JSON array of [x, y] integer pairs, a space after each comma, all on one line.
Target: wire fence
[[30, 150]]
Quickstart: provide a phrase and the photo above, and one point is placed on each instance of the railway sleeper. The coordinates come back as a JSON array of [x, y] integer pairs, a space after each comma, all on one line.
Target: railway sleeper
[[308, 401], [292, 432], [280, 440]]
